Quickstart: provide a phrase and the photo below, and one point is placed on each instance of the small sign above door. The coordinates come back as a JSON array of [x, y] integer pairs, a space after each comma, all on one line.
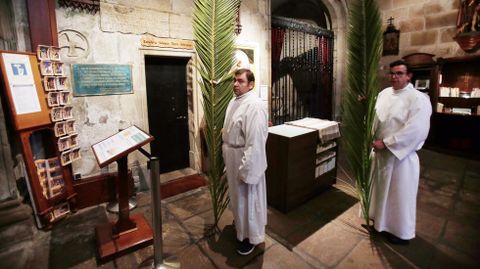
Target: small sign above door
[[148, 41]]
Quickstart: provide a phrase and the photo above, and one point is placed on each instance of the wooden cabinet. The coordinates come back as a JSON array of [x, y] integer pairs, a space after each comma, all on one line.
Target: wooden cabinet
[[456, 117], [424, 70], [459, 87], [299, 167], [454, 91], [50, 184]]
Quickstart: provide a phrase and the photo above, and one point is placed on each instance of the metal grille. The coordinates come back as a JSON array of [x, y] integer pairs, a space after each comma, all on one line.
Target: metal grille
[[301, 71], [88, 6]]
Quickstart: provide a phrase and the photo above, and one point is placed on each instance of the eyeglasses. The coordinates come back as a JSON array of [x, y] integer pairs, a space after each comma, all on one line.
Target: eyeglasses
[[398, 74], [240, 81]]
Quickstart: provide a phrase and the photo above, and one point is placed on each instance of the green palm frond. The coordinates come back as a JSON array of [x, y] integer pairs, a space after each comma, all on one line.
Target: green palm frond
[[213, 30], [364, 50]]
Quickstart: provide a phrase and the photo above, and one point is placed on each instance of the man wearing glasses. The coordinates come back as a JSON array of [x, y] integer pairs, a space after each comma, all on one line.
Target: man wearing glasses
[[402, 121]]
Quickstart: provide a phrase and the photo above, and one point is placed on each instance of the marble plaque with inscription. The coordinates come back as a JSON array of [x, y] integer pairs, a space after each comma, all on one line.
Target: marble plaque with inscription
[[101, 79]]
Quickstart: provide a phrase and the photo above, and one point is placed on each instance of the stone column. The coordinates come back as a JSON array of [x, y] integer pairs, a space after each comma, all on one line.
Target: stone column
[[16, 25], [16, 221], [11, 209]]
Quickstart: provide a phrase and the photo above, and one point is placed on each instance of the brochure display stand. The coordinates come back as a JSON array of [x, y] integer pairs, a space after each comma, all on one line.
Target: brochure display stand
[[302, 161], [128, 233], [49, 183]]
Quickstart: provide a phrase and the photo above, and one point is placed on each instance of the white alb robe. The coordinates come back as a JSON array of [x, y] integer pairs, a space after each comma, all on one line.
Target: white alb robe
[[244, 136], [402, 122]]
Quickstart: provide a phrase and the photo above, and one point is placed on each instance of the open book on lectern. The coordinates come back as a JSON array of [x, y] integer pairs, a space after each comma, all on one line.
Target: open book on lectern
[[120, 145]]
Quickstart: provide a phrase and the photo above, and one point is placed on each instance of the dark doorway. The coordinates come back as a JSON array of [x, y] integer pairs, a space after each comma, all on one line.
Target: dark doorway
[[168, 110], [302, 71]]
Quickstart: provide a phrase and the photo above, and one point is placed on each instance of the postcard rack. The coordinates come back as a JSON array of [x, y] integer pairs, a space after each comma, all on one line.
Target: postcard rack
[[27, 87]]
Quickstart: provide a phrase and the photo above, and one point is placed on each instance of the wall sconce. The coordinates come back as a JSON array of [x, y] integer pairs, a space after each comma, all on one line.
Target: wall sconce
[[238, 26], [391, 39]]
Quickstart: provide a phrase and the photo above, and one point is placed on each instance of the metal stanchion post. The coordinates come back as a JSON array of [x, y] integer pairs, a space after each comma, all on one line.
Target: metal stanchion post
[[158, 262]]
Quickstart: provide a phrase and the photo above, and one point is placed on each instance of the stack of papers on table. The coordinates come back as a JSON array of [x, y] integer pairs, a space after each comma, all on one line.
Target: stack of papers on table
[[327, 130]]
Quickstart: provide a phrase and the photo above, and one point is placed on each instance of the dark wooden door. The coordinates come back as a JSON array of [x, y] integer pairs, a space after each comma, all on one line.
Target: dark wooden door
[[168, 110]]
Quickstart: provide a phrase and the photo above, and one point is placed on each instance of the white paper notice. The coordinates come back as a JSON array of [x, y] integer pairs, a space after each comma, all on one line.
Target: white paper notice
[[22, 84], [264, 92], [25, 99], [119, 143]]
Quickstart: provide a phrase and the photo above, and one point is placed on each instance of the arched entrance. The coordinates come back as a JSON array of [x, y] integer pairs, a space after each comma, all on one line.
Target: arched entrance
[[311, 55], [302, 71]]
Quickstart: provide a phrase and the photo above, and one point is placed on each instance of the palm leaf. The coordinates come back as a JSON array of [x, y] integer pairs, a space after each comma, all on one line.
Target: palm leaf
[[213, 30], [364, 50]]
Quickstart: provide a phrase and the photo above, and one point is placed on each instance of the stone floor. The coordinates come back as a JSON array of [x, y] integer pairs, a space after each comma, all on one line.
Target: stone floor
[[325, 232]]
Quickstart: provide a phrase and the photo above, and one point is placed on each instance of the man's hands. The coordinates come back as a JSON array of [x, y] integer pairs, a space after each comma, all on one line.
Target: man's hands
[[378, 144]]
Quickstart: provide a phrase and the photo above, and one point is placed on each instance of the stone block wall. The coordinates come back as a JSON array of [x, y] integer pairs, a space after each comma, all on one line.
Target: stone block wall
[[426, 26], [113, 36]]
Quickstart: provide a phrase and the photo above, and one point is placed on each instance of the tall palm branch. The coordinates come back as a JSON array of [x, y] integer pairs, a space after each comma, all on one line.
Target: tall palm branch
[[358, 105], [213, 30]]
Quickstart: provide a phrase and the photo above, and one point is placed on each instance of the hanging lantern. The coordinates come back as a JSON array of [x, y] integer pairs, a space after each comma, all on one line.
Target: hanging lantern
[[391, 39]]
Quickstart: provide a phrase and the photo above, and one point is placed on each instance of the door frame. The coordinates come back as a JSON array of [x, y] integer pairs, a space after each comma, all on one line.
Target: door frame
[[195, 112]]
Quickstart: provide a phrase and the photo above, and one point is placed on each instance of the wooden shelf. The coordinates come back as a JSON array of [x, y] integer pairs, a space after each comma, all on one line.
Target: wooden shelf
[[454, 133], [326, 146], [459, 101], [292, 176], [325, 156]]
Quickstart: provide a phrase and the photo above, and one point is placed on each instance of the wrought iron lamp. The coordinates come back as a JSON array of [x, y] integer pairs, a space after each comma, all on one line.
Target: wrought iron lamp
[[238, 26], [391, 39]]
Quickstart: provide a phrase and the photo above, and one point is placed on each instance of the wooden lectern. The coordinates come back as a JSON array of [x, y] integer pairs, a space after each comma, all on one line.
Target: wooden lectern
[[128, 233]]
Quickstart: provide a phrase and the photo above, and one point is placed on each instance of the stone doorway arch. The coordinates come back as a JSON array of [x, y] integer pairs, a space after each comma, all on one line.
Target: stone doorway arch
[[329, 14]]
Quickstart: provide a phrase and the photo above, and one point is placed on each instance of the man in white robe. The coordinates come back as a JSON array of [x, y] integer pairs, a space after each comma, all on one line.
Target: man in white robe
[[244, 138], [401, 127]]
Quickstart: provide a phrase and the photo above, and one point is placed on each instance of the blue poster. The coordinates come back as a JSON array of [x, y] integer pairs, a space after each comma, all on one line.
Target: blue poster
[[101, 79], [19, 69]]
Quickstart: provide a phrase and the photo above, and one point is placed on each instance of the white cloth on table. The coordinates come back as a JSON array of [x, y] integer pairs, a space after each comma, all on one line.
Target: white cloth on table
[[327, 130]]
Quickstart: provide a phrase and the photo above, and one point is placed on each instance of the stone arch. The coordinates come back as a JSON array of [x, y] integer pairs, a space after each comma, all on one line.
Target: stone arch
[[335, 19]]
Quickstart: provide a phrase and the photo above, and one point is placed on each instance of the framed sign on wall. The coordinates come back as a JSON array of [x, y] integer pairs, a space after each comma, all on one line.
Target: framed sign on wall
[[101, 79], [24, 89]]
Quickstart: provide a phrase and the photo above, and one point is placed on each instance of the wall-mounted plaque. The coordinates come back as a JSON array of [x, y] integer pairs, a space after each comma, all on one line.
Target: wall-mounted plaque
[[101, 79], [160, 42]]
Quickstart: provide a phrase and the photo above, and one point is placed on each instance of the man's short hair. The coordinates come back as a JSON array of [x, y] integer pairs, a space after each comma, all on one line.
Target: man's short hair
[[400, 62], [248, 72]]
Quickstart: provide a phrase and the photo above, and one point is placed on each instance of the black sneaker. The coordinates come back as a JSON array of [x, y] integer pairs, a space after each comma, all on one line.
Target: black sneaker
[[245, 248], [392, 239]]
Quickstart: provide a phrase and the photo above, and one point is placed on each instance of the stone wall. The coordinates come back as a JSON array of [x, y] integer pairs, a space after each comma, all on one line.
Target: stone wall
[[113, 36], [425, 26]]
